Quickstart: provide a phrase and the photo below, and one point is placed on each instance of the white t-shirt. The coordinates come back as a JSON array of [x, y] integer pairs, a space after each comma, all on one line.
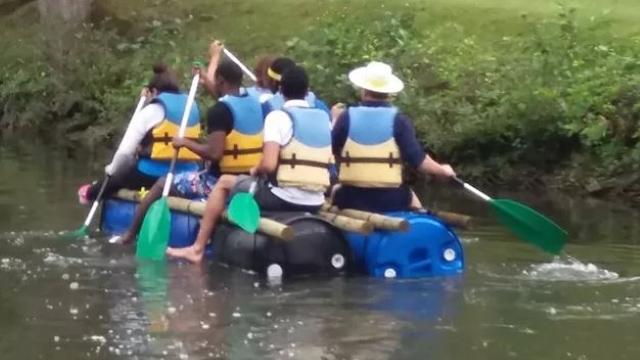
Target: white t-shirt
[[278, 128], [150, 116]]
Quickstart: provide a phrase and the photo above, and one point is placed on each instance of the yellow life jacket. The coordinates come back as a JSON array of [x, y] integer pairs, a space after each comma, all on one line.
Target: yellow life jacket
[[304, 161], [370, 157], [243, 145], [162, 134], [158, 150]]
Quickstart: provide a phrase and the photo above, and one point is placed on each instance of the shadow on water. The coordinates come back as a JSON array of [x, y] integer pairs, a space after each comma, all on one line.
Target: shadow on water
[[88, 298]]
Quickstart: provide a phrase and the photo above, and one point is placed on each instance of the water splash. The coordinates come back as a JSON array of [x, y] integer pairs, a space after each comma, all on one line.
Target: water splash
[[567, 268]]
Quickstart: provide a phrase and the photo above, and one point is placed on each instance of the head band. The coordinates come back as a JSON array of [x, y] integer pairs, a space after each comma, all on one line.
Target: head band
[[274, 75]]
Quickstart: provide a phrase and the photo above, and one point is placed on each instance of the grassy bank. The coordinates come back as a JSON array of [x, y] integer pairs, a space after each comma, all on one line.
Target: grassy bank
[[503, 89]]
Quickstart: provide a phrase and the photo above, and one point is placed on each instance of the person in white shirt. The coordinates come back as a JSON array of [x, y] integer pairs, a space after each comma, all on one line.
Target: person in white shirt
[[293, 172], [140, 158]]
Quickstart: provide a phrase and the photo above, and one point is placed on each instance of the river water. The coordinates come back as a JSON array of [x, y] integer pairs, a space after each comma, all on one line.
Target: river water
[[70, 299]]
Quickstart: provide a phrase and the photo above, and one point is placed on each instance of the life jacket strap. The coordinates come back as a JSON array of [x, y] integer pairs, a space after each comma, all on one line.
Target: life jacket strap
[[348, 160], [293, 161], [166, 139], [236, 151]]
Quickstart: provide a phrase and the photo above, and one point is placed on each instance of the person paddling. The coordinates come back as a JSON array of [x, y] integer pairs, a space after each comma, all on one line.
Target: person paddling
[[292, 174], [145, 151], [277, 100], [373, 141], [261, 88], [233, 145]]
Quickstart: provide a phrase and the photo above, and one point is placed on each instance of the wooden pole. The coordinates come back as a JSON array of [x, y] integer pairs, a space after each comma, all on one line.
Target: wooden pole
[[346, 223], [454, 219], [378, 221], [266, 226], [385, 222]]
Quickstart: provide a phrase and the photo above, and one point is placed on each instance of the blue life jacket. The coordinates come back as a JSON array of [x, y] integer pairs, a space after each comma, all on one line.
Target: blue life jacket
[[256, 91], [277, 102], [157, 161]]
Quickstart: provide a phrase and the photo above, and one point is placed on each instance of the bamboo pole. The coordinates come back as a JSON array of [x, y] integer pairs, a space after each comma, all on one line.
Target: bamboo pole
[[378, 221], [385, 222], [346, 223], [454, 219], [266, 226]]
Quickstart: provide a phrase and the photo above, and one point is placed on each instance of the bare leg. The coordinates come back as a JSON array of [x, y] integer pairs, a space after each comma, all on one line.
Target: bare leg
[[212, 212], [154, 194], [416, 204]]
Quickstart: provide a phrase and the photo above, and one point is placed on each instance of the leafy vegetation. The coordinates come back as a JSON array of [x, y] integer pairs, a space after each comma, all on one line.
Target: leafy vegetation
[[553, 89]]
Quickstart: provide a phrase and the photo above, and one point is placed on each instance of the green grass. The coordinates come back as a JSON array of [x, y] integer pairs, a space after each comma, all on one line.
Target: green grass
[[253, 26]]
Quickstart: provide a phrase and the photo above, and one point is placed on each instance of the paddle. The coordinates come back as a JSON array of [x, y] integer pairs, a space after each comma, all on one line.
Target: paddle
[[524, 222], [244, 211], [240, 64], [156, 228], [82, 231]]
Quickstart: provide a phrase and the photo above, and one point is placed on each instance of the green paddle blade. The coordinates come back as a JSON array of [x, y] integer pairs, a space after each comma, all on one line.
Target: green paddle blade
[[530, 225], [155, 231], [244, 212], [76, 234]]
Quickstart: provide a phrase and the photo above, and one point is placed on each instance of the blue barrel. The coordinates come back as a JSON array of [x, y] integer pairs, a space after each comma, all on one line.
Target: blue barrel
[[429, 248], [117, 215]]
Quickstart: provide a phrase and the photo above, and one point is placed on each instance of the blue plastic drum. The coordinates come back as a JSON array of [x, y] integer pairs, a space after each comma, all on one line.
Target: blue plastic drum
[[429, 248]]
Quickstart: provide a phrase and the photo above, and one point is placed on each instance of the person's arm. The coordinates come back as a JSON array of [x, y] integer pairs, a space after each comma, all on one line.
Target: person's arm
[[339, 133], [413, 152], [278, 129], [269, 160], [211, 150], [215, 51], [219, 124], [433, 167], [337, 110], [145, 120]]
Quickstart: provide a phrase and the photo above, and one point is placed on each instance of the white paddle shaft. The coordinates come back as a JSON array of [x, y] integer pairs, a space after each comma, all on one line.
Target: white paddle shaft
[[94, 206], [240, 64], [183, 127], [476, 192]]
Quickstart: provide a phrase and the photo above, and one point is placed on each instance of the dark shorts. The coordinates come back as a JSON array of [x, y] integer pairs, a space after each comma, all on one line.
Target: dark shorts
[[265, 198], [379, 200], [128, 177]]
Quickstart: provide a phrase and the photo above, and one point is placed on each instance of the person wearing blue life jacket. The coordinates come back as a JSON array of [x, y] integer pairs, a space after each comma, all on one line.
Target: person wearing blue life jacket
[[277, 100], [233, 144], [261, 89], [373, 142], [145, 151], [293, 172]]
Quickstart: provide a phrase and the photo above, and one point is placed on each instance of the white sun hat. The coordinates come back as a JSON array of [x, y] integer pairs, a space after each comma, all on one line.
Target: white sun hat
[[377, 77]]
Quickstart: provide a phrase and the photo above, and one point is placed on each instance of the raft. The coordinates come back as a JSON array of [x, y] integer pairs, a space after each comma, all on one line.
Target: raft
[[316, 246]]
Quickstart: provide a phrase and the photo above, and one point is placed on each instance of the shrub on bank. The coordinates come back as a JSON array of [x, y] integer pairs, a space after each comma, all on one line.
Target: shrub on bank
[[533, 98]]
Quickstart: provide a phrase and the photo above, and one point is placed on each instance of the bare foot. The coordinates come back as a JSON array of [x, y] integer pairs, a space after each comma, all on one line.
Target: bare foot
[[125, 239], [190, 253]]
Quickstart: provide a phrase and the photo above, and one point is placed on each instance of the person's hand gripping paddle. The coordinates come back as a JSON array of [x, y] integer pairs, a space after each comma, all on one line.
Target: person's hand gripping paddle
[[82, 231], [524, 222], [156, 228]]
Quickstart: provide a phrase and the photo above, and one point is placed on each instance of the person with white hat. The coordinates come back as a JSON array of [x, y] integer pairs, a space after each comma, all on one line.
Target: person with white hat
[[373, 141]]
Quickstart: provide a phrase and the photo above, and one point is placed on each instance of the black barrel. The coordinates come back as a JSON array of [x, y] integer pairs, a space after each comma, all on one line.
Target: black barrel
[[316, 248]]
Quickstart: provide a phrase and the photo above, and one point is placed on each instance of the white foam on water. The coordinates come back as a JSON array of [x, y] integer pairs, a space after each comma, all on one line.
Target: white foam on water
[[12, 264], [568, 269]]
